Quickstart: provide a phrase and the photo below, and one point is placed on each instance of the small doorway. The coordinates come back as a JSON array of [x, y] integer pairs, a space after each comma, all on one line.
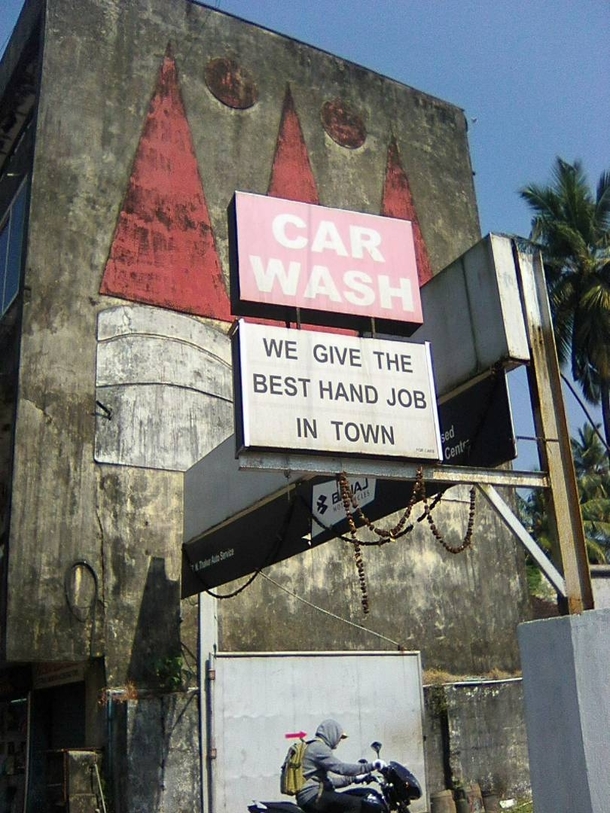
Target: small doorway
[[57, 724], [13, 754]]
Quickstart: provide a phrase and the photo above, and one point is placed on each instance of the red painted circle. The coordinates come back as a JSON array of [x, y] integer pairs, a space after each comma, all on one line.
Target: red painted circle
[[230, 83], [343, 124]]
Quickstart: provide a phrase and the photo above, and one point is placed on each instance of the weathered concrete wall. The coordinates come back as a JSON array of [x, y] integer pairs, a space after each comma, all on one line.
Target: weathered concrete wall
[[139, 149], [9, 343], [600, 575], [461, 610], [475, 733], [16, 164], [150, 115], [154, 753]]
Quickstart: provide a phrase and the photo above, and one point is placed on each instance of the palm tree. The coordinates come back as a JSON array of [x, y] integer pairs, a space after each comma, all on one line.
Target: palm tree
[[571, 226], [591, 462], [593, 478]]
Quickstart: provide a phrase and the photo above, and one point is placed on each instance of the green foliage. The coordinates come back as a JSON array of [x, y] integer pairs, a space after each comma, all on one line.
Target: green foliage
[[593, 476], [175, 673], [171, 674], [571, 226], [534, 578], [593, 480]]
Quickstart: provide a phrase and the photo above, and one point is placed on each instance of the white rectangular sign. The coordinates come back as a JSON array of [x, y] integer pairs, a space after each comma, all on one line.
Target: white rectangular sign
[[322, 392]]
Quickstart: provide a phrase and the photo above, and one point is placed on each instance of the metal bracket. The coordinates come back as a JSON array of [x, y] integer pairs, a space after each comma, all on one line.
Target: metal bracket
[[532, 547]]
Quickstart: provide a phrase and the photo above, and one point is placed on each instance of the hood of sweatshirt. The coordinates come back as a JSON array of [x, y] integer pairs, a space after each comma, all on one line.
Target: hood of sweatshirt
[[330, 732]]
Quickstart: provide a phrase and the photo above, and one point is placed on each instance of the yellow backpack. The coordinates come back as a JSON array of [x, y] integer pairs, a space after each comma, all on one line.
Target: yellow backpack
[[291, 774]]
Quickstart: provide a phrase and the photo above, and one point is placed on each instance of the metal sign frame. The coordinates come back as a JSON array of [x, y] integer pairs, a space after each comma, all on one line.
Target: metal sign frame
[[569, 571]]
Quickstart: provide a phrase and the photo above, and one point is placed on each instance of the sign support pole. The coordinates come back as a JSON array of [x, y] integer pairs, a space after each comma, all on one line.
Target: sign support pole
[[563, 502]]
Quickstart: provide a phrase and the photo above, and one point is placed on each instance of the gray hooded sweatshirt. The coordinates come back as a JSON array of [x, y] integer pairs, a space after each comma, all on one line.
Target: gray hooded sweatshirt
[[319, 761]]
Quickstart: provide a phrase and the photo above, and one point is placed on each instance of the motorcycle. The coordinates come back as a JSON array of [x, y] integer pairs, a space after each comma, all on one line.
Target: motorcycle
[[397, 788]]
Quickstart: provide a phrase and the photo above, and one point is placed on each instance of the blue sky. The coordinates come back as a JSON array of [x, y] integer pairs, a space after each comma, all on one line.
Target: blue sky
[[531, 75]]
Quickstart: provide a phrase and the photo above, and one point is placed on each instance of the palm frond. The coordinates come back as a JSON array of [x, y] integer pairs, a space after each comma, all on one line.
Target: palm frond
[[571, 224]]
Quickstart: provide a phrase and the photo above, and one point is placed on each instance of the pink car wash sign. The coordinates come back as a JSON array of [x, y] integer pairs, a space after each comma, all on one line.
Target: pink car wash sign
[[335, 266], [308, 391]]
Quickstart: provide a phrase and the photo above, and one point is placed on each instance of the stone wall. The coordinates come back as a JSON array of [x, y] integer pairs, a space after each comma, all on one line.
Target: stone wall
[[475, 733], [153, 754]]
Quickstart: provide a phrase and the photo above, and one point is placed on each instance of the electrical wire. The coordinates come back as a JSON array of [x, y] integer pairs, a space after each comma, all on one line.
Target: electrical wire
[[333, 615], [581, 404]]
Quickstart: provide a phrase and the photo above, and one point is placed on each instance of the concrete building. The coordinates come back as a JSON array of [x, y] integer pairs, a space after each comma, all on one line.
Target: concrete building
[[126, 126]]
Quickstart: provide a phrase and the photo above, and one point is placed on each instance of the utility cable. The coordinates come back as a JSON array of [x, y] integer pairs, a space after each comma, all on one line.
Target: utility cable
[[581, 404], [332, 615]]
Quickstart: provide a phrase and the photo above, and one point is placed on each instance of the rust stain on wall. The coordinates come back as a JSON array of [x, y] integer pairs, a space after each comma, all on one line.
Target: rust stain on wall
[[163, 251], [397, 201]]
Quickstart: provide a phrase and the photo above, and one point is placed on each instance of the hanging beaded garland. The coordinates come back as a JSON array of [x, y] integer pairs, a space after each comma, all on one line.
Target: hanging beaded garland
[[351, 508], [350, 502], [347, 498]]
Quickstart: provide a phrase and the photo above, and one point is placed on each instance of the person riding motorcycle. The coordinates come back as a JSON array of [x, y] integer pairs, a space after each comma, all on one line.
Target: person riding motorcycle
[[319, 794]]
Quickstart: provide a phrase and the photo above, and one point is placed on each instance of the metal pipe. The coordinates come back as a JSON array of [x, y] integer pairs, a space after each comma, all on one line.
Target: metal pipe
[[208, 644]]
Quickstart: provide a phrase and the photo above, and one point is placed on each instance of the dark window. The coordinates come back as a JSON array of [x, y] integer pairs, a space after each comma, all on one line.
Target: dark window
[[11, 244]]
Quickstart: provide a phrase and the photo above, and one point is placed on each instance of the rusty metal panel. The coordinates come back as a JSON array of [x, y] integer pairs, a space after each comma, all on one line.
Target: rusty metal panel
[[259, 698]]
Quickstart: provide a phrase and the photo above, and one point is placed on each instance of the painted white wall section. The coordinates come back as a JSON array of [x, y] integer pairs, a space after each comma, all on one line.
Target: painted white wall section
[[259, 698], [566, 663], [472, 315], [166, 380]]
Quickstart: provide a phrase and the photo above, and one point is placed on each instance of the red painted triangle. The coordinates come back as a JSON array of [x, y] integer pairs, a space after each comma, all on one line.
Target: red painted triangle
[[163, 251], [291, 174], [398, 202], [292, 177]]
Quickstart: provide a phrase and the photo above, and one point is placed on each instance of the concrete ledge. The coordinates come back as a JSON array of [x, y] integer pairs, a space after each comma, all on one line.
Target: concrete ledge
[[566, 662]]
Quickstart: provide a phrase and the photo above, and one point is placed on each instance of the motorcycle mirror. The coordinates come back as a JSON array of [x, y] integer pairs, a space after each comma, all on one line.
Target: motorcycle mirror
[[376, 746]]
